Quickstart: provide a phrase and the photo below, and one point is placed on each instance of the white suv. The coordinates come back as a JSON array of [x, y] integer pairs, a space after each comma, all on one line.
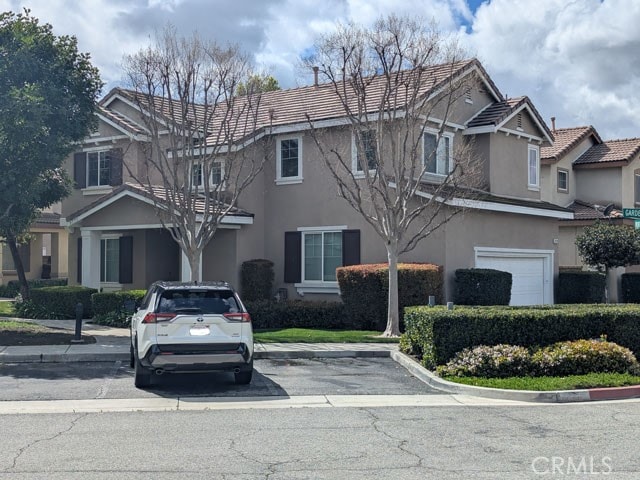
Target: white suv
[[191, 327]]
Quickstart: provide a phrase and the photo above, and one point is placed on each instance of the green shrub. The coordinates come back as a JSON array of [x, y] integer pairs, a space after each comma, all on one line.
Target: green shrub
[[631, 287], [580, 357], [581, 287], [109, 308], [364, 290], [482, 286], [436, 334], [12, 288], [256, 279], [56, 302], [497, 361], [296, 313]]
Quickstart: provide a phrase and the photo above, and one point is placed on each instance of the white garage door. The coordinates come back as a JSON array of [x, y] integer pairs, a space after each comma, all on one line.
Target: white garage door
[[530, 270]]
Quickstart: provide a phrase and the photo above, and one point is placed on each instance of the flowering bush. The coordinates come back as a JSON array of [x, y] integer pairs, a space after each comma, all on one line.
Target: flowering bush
[[583, 356], [489, 361]]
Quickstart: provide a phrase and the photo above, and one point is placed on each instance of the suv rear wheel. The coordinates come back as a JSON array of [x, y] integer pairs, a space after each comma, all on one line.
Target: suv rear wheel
[[243, 378], [142, 375]]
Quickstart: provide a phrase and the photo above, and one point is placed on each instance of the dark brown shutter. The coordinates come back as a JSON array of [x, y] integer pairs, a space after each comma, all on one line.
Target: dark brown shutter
[[292, 257], [350, 247], [79, 268], [126, 260], [24, 251], [115, 156], [80, 170]]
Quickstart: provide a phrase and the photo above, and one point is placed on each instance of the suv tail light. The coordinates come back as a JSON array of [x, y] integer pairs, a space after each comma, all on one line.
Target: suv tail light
[[157, 317], [238, 316]]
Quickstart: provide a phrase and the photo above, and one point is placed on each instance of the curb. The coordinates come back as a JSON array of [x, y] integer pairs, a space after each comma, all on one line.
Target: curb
[[291, 354], [559, 396]]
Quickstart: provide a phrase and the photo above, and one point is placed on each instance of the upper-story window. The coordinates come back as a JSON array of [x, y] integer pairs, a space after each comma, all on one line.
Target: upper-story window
[[533, 171], [364, 150], [215, 174], [289, 160], [563, 180], [98, 169], [437, 153]]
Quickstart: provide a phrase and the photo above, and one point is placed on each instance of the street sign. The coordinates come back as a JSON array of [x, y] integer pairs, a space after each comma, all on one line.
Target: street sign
[[631, 213], [637, 224]]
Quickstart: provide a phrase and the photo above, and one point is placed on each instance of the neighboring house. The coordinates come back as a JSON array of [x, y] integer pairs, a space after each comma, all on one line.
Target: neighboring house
[[45, 255], [292, 213], [587, 175]]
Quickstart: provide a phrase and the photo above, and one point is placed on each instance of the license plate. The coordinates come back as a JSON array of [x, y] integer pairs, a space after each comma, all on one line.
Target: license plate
[[199, 331]]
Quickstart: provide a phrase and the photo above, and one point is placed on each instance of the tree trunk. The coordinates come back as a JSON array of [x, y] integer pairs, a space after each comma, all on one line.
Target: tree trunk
[[393, 316], [17, 261], [194, 265]]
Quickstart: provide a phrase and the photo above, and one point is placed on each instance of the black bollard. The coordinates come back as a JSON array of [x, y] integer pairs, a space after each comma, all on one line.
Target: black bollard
[[79, 312]]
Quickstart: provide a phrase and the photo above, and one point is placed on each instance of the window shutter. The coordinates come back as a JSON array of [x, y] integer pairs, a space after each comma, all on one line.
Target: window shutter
[[126, 260], [80, 170], [79, 268], [292, 257], [115, 157], [350, 247]]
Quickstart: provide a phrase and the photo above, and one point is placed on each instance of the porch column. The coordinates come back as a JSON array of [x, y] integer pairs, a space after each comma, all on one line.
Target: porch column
[[90, 258], [185, 274]]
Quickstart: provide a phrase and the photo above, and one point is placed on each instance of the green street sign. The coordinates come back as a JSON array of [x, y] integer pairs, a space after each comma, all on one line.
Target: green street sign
[[631, 213]]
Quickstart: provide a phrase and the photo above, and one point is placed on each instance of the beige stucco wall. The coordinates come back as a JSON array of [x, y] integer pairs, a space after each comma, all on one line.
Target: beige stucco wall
[[508, 173], [628, 183], [599, 185]]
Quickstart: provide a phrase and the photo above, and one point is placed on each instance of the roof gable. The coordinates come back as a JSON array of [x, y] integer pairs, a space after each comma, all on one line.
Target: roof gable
[[610, 153], [565, 139]]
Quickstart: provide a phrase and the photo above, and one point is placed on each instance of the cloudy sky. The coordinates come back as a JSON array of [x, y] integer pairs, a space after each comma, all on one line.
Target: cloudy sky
[[578, 60]]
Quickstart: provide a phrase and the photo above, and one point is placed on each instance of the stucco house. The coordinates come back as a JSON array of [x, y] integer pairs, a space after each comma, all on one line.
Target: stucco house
[[293, 215], [587, 175]]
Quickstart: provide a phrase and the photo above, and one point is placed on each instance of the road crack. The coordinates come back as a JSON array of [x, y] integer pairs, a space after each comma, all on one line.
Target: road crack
[[22, 450]]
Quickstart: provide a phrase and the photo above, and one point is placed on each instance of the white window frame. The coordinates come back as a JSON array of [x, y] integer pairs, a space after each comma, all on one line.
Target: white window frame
[[533, 185], [280, 180], [108, 237], [434, 132], [357, 173], [211, 184], [565, 172], [317, 286], [98, 185], [636, 189]]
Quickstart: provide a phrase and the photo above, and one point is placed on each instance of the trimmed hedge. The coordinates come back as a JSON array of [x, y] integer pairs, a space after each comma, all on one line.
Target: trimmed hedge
[[436, 334], [299, 314], [581, 287], [364, 290], [108, 308], [56, 302], [631, 287], [482, 286], [256, 279], [12, 288]]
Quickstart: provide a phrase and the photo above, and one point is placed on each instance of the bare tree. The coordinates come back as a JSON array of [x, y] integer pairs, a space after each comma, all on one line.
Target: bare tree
[[395, 82], [197, 161]]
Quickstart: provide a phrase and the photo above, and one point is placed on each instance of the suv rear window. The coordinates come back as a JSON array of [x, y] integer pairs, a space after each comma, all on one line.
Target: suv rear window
[[197, 301]]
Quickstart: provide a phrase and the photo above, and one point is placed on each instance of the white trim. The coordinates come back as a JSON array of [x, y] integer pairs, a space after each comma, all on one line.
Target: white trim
[[477, 113], [520, 133], [96, 140], [438, 121], [324, 286], [237, 220], [354, 157], [200, 187], [120, 128], [436, 133], [97, 190], [546, 255], [322, 229], [280, 180], [309, 287], [533, 185], [525, 106]]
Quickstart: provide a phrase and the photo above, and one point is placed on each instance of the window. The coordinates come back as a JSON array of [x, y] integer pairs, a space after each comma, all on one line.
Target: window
[[533, 167], [109, 260], [289, 161], [322, 255], [215, 174], [563, 180], [437, 153], [98, 169], [637, 189], [368, 139]]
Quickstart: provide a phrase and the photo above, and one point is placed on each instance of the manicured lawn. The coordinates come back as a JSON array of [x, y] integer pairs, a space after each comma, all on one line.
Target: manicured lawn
[[14, 333], [592, 380], [308, 335], [6, 309]]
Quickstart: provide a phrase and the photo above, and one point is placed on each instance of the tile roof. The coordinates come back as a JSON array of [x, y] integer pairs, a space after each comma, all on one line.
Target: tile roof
[[48, 218], [499, 112], [611, 151], [158, 193], [122, 121], [316, 102], [564, 139], [588, 211]]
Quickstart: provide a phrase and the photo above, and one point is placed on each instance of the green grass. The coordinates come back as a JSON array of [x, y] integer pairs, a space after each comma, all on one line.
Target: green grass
[[591, 380], [26, 327], [309, 335], [6, 309]]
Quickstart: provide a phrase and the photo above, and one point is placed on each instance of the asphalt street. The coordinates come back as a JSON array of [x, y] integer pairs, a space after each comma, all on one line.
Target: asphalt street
[[295, 377]]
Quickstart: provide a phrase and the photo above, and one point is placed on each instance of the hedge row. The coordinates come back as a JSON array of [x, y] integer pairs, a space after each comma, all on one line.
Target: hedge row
[[109, 307], [364, 290], [482, 286], [12, 288], [581, 287], [299, 314], [56, 302], [256, 279], [436, 334]]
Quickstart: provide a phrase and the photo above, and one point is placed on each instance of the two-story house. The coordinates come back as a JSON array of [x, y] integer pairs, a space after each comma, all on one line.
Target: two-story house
[[593, 178], [292, 213]]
